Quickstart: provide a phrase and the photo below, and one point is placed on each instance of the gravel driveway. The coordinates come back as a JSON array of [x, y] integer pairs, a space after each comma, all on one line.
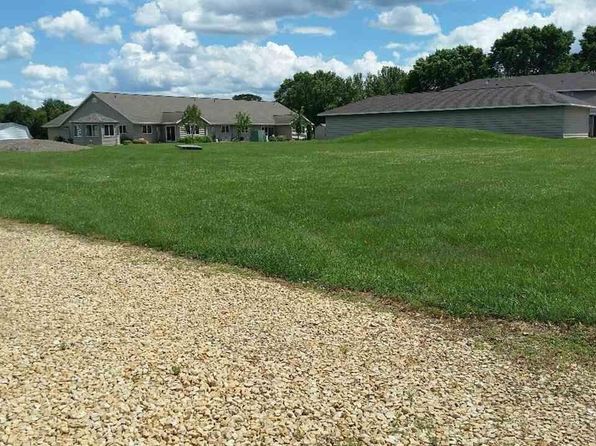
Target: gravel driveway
[[108, 344]]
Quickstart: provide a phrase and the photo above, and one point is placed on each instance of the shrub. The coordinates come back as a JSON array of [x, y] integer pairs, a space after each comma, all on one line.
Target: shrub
[[127, 142], [140, 141], [124, 138], [195, 140], [279, 138], [59, 139]]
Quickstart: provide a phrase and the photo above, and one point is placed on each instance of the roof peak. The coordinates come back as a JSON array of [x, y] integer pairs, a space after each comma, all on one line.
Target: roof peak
[[149, 95]]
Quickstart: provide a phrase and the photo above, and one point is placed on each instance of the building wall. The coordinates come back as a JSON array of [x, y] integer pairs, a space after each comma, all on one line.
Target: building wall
[[577, 122], [536, 121], [56, 132]]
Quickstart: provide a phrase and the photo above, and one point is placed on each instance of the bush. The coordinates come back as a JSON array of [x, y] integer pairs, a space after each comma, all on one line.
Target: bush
[[124, 138], [279, 138], [195, 140], [59, 139], [140, 141], [126, 142]]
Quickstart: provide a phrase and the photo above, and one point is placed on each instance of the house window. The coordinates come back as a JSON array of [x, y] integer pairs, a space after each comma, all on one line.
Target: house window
[[225, 129], [122, 129], [108, 130], [91, 130], [78, 131], [147, 129]]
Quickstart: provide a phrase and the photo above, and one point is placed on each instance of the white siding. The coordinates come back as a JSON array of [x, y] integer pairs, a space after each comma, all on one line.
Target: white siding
[[13, 132]]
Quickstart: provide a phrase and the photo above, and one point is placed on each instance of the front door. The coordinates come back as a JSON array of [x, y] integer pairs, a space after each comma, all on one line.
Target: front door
[[170, 133]]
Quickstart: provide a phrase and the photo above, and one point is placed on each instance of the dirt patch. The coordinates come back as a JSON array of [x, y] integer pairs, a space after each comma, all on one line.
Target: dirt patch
[[102, 343], [38, 145]]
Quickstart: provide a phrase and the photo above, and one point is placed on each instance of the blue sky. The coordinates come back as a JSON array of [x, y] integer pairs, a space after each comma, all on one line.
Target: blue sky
[[68, 48]]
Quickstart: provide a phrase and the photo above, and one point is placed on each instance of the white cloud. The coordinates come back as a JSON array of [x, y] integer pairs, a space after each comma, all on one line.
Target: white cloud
[[409, 19], [409, 46], [103, 13], [313, 30], [224, 70], [192, 15], [45, 72], [74, 23], [108, 2], [572, 15], [16, 42], [166, 37], [5, 84]]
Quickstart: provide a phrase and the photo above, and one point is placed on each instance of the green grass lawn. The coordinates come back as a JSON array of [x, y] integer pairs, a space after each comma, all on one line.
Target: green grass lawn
[[470, 222]]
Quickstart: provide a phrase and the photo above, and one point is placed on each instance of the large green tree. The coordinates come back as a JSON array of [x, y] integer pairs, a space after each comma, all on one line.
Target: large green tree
[[315, 92], [54, 108], [247, 97], [533, 50], [587, 55], [389, 80], [446, 68]]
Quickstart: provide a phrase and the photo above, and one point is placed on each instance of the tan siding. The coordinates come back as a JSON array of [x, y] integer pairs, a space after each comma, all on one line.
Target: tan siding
[[537, 121]]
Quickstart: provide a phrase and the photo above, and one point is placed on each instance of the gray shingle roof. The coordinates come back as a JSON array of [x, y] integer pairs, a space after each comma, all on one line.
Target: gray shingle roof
[[558, 82], [150, 109], [499, 97], [60, 120], [94, 118]]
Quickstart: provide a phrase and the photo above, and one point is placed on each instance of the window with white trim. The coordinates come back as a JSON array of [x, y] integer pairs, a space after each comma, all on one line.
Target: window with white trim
[[147, 129], [78, 131], [122, 129], [225, 129], [91, 130], [108, 130]]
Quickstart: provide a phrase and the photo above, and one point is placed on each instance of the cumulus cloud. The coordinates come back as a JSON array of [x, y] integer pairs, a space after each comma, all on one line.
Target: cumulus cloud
[[313, 30], [45, 72], [103, 13], [225, 70], [16, 42], [193, 15], [409, 19], [166, 37], [572, 15], [76, 24], [5, 84]]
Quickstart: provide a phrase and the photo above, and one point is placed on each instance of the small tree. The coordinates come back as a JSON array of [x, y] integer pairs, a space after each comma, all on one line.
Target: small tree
[[192, 119], [243, 123], [299, 123]]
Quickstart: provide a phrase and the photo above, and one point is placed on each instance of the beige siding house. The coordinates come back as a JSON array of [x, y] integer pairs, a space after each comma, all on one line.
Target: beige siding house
[[557, 106], [107, 118]]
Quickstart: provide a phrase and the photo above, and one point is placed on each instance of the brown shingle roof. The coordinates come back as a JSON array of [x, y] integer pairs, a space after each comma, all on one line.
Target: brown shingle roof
[[499, 97]]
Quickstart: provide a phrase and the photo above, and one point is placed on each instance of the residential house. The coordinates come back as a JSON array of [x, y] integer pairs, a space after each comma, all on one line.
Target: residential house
[[107, 118]]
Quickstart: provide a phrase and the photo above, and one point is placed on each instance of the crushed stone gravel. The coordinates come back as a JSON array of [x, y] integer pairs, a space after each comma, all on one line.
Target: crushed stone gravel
[[108, 344], [38, 145]]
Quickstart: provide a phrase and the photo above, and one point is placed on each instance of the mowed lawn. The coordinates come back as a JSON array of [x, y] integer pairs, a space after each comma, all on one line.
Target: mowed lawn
[[470, 222]]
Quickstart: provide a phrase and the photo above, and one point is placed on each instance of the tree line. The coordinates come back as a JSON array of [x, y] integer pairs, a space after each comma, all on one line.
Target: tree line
[[33, 118], [524, 51]]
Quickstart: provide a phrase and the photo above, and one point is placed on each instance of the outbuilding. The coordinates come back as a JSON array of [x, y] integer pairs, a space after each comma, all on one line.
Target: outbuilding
[[557, 106], [10, 130]]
